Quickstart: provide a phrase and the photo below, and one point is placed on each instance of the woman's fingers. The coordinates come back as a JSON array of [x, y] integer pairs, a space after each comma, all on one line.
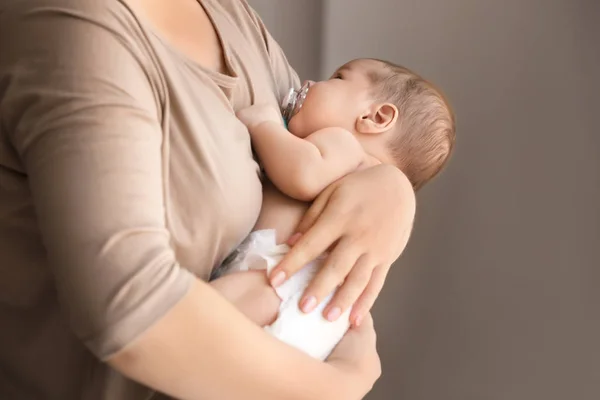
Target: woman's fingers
[[363, 305], [353, 286], [341, 220], [315, 210], [331, 274], [308, 247], [368, 326]]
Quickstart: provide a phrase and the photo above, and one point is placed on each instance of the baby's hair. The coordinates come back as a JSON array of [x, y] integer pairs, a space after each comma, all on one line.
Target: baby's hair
[[426, 124]]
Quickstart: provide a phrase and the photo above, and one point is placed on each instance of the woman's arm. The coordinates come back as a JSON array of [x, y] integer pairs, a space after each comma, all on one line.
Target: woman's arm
[[211, 352], [80, 112]]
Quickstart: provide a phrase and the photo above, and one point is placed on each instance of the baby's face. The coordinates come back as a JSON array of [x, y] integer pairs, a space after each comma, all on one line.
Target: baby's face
[[338, 101]]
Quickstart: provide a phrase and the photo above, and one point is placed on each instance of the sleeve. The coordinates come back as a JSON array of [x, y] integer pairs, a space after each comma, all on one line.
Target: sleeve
[[284, 75], [78, 108]]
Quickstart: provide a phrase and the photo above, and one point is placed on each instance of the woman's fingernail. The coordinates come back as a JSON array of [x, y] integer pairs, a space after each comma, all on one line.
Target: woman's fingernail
[[294, 239], [334, 314], [357, 321], [309, 304], [278, 278]]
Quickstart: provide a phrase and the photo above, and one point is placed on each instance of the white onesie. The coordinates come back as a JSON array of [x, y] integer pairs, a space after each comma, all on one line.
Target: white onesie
[[311, 333]]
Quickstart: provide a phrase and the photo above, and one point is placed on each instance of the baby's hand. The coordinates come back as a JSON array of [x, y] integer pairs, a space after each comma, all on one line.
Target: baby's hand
[[257, 114], [251, 293]]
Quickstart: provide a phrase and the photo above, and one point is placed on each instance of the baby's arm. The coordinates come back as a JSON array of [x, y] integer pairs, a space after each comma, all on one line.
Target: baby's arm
[[301, 168]]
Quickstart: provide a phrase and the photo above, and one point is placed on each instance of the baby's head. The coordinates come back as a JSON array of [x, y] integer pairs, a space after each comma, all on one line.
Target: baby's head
[[399, 117]]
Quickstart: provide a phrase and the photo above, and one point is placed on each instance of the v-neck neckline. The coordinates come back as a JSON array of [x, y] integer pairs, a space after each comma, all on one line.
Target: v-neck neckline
[[222, 79]]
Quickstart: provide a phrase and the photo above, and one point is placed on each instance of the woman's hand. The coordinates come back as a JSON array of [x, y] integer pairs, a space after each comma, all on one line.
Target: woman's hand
[[365, 219], [356, 355]]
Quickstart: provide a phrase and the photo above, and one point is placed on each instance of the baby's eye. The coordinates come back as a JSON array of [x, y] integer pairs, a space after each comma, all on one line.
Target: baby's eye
[[337, 76]]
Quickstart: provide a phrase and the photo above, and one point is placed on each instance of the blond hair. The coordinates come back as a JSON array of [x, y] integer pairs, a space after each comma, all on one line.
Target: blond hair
[[426, 124]]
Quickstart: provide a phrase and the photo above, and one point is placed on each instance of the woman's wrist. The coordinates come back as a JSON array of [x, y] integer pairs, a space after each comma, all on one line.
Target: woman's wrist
[[351, 381], [397, 175], [401, 189]]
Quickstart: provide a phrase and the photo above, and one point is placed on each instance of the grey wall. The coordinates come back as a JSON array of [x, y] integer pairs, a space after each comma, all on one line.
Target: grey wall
[[498, 293], [296, 24]]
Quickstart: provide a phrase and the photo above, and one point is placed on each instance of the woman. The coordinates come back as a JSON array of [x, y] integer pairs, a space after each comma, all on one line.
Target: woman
[[125, 178]]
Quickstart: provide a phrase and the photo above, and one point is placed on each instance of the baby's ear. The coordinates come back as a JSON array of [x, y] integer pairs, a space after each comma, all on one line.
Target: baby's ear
[[378, 118]]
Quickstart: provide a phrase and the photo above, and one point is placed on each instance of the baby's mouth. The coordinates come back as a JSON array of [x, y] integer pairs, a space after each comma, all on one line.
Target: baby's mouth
[[293, 101]]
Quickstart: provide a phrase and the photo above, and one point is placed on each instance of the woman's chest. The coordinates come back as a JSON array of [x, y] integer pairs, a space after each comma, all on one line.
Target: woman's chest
[[211, 180], [212, 186]]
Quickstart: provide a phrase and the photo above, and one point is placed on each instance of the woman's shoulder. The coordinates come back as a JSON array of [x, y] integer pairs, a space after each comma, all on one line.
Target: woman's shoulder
[[54, 6], [49, 8], [71, 34], [76, 16], [75, 52]]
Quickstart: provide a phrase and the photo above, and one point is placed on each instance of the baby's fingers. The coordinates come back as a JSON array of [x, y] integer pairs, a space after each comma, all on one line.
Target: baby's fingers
[[315, 211]]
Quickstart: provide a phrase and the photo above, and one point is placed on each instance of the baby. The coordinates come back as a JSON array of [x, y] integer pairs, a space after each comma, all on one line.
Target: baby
[[369, 112]]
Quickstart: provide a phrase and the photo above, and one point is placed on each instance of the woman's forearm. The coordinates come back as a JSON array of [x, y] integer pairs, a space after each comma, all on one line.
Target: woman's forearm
[[206, 349]]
